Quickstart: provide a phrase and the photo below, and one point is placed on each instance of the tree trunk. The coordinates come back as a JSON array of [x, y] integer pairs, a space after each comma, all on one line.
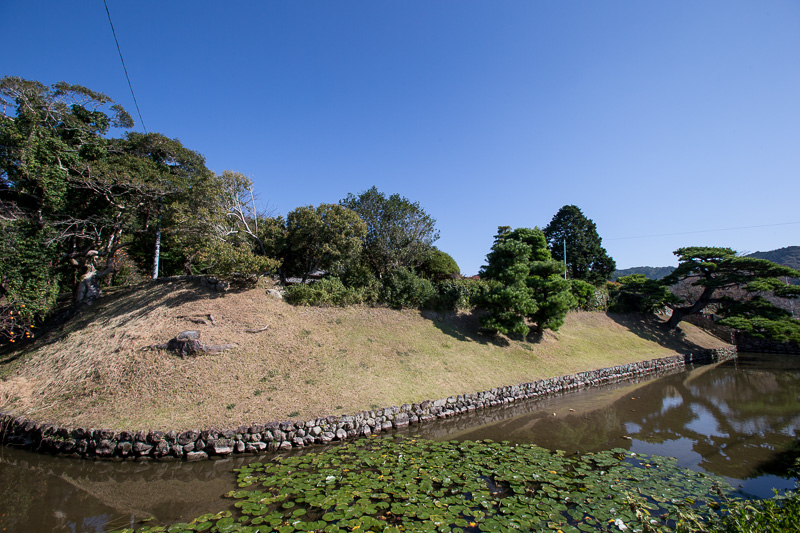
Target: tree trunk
[[88, 288], [680, 312], [157, 249], [187, 265], [677, 316], [156, 252]]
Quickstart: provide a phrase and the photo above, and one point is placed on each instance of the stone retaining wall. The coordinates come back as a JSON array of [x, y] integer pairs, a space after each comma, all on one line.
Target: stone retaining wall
[[195, 445]]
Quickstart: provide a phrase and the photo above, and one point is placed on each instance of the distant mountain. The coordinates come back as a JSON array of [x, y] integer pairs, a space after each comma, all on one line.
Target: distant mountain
[[789, 256], [650, 272]]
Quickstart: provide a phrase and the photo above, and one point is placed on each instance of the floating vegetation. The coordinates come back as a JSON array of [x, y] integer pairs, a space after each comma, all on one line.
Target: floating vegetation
[[394, 485]]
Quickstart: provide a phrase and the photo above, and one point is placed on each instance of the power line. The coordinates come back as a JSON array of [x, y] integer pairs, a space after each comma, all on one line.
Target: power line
[[124, 68], [700, 231]]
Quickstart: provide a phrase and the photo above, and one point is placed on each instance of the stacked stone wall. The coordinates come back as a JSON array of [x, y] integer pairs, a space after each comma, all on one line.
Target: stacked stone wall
[[258, 438]]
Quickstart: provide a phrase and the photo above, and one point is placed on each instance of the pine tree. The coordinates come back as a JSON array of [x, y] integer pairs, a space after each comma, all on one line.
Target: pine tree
[[586, 258]]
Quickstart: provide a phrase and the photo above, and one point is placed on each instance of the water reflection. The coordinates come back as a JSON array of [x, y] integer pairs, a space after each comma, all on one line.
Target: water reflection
[[738, 419], [43, 493]]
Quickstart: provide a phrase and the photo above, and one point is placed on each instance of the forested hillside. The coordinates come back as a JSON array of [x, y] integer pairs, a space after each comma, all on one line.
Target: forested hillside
[[788, 256], [647, 271]]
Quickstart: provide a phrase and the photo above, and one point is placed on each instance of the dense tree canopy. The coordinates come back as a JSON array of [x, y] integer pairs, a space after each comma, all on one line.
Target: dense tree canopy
[[399, 232], [61, 201], [324, 237], [178, 178], [586, 258]]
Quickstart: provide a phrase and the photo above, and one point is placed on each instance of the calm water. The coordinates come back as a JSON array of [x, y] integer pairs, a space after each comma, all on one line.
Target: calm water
[[739, 420]]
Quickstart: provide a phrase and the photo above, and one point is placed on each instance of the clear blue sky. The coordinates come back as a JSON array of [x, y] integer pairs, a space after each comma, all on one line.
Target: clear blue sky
[[653, 117]]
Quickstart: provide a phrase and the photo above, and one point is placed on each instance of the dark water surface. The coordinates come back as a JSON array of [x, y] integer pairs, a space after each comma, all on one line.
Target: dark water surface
[[739, 420]]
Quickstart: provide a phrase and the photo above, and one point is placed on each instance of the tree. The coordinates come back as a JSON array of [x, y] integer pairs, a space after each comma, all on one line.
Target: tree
[[529, 283], [239, 214], [235, 236], [586, 257], [175, 183], [399, 232], [439, 266], [72, 198], [639, 294], [509, 300], [736, 287], [52, 153], [325, 237]]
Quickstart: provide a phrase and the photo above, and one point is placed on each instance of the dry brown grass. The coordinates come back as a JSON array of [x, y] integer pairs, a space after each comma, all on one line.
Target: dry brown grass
[[309, 362]]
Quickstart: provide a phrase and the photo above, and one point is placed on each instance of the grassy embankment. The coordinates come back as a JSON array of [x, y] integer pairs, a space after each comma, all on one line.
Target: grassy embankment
[[92, 372]]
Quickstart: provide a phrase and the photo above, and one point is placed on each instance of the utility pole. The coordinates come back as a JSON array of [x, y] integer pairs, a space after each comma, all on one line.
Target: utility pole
[[565, 258]]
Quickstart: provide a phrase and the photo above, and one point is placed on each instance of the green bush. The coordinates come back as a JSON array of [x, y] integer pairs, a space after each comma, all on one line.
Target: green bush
[[582, 292], [464, 293], [588, 297], [360, 277], [601, 300], [403, 288], [781, 513], [227, 260], [438, 266], [325, 292], [637, 294]]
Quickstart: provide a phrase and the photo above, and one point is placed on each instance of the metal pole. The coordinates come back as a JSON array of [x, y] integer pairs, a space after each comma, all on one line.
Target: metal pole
[[565, 258]]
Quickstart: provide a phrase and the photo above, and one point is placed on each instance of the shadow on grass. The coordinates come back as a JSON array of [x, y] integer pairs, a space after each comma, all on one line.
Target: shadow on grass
[[118, 306], [652, 328], [464, 326]]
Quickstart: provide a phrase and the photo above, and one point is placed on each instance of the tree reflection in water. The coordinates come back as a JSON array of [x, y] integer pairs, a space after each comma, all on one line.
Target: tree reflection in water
[[739, 419]]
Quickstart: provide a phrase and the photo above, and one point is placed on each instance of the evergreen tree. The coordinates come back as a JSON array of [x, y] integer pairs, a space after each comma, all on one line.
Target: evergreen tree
[[715, 278], [509, 300], [529, 284], [736, 286], [586, 258], [56, 192]]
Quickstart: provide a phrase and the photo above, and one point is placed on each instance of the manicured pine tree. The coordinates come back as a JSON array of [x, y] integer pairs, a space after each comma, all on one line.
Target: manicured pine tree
[[530, 284]]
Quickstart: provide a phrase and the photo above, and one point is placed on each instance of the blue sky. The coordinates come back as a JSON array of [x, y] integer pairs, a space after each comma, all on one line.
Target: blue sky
[[662, 121]]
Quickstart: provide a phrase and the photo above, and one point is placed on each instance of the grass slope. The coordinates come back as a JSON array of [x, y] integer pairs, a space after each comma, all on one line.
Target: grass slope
[[310, 362]]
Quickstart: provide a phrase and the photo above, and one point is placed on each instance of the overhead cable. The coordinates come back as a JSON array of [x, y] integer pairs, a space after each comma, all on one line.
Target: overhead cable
[[124, 68], [700, 231]]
